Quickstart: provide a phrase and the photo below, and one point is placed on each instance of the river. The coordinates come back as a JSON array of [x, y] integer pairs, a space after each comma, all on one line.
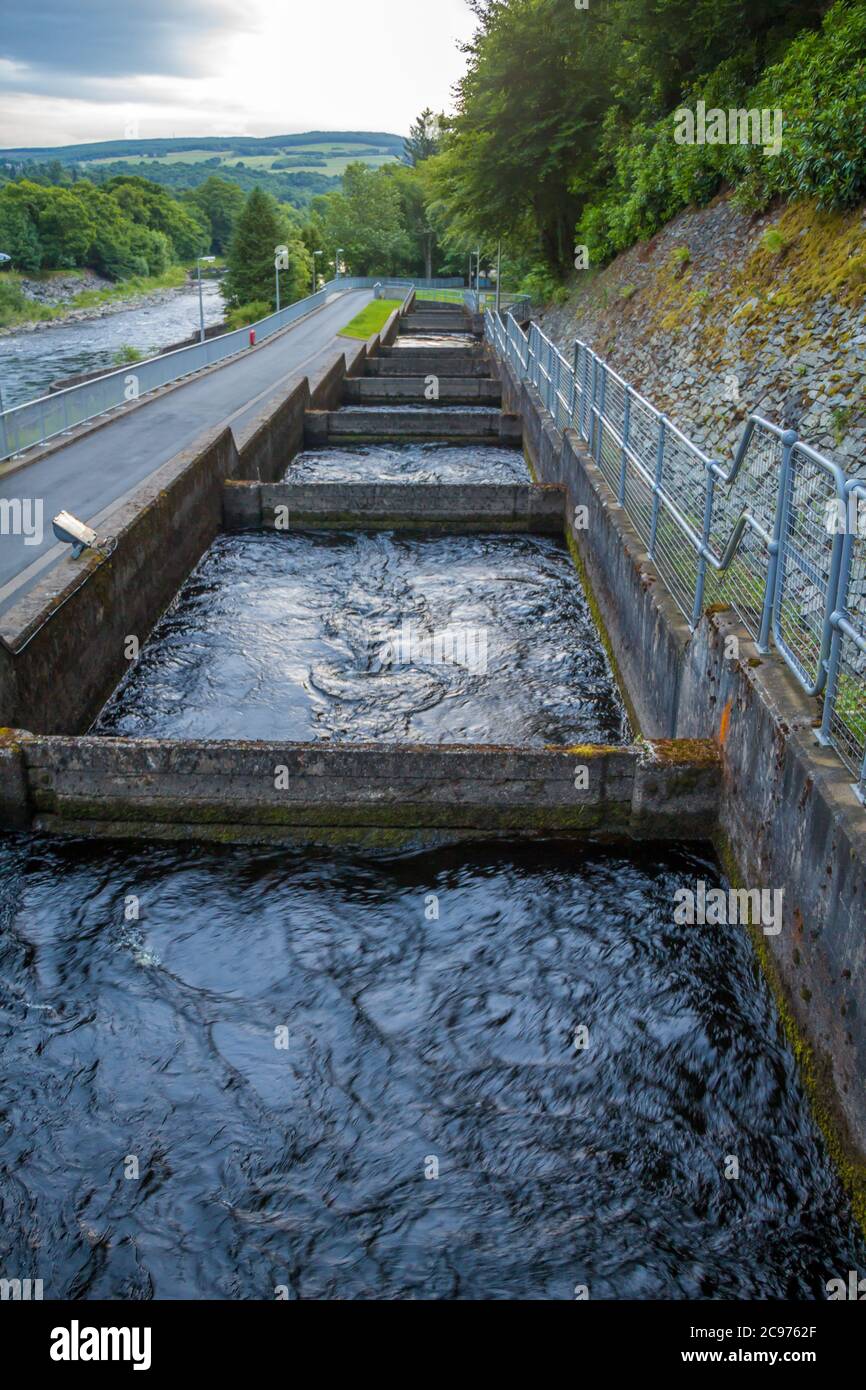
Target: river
[[31, 360]]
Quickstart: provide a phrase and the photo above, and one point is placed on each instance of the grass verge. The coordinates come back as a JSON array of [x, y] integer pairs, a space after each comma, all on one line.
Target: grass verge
[[371, 319]]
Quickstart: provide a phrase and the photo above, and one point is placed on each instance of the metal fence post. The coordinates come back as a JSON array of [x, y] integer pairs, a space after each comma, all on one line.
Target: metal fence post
[[657, 482], [623, 453], [789, 439], [574, 362], [701, 577], [602, 405]]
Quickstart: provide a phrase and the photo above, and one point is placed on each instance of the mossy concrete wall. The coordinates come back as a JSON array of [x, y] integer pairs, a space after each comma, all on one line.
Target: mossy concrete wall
[[455, 507], [99, 784], [788, 816]]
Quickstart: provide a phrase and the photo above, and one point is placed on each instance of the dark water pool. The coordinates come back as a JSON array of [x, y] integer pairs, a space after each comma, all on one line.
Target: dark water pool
[[455, 639], [415, 463], [429, 1129]]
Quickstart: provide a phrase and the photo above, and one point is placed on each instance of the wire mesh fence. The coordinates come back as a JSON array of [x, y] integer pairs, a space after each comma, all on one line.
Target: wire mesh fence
[[780, 535]]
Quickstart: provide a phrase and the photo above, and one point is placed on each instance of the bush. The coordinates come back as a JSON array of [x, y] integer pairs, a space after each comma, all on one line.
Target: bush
[[245, 314]]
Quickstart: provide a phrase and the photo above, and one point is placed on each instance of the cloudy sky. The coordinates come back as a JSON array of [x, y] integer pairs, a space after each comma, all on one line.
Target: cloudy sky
[[80, 70]]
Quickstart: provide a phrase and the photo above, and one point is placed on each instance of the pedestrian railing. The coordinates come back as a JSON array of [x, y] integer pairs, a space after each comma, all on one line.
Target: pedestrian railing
[[780, 535], [24, 426]]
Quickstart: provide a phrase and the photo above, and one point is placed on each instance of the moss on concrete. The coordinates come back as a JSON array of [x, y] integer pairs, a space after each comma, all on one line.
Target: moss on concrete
[[815, 1071]]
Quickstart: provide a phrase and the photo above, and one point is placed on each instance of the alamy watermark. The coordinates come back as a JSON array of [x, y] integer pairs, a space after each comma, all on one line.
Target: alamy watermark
[[452, 646], [22, 516], [732, 127], [719, 907]]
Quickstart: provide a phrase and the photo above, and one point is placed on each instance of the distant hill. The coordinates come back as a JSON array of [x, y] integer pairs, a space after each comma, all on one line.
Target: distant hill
[[188, 144], [294, 168]]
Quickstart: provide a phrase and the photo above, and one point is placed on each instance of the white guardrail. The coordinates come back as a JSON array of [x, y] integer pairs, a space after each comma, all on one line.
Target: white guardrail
[[24, 426]]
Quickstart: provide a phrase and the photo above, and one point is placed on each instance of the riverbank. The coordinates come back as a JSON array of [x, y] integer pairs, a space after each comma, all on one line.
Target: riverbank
[[23, 312]]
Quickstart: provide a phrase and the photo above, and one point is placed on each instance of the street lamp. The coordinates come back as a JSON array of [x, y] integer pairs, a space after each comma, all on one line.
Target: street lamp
[[207, 260], [281, 262], [315, 277], [340, 250]]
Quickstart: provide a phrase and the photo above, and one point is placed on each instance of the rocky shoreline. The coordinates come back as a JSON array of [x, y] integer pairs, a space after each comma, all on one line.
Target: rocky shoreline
[[71, 286]]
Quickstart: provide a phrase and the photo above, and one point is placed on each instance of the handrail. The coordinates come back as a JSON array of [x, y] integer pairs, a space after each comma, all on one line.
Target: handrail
[[761, 535]]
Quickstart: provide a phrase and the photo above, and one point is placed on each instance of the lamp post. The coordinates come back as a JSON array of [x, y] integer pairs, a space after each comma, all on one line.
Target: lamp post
[[315, 277], [499, 278], [207, 260], [281, 262]]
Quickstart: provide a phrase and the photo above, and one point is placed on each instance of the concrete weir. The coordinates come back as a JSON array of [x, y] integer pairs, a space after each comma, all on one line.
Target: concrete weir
[[169, 788]]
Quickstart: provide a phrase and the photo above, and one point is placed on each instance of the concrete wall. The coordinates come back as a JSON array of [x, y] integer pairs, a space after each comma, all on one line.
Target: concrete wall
[[101, 784], [464, 507], [788, 817], [436, 423], [384, 390]]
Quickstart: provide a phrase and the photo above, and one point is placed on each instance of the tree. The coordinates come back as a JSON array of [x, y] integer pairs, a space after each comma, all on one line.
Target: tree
[[366, 220], [262, 226], [219, 202], [423, 138]]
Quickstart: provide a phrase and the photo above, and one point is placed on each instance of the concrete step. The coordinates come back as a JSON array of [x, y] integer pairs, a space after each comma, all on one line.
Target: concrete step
[[440, 423], [434, 323], [464, 508], [445, 363], [413, 389]]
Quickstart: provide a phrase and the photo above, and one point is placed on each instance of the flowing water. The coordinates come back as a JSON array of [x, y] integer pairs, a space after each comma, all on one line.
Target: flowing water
[[314, 636], [234, 1071], [412, 463], [31, 360]]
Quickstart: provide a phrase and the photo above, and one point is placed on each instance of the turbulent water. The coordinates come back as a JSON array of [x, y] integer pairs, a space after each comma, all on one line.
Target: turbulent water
[[314, 636], [30, 361], [426, 1127], [414, 463]]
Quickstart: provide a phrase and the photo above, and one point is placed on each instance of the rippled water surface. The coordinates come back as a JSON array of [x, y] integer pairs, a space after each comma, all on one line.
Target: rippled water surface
[[415, 463], [31, 360], [316, 636], [416, 1043], [436, 340]]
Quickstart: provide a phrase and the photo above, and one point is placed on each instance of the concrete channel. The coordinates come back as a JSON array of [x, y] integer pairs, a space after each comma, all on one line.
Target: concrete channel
[[662, 790], [224, 711]]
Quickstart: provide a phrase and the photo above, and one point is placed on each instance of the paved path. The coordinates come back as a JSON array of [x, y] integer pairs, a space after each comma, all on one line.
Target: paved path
[[92, 474]]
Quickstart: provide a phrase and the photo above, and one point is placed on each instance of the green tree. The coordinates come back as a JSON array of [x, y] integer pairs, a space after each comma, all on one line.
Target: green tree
[[424, 138], [263, 225], [219, 202], [366, 220]]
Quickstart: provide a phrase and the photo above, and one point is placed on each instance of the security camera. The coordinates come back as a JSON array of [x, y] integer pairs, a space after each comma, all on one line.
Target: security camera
[[71, 531]]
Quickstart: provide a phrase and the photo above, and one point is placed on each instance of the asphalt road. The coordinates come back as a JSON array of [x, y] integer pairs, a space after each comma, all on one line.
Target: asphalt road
[[92, 474]]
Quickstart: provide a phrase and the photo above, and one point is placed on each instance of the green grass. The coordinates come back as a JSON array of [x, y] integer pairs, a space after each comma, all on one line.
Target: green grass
[[371, 319]]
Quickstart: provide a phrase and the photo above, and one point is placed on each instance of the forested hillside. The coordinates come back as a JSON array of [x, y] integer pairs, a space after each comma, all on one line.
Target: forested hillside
[[569, 129]]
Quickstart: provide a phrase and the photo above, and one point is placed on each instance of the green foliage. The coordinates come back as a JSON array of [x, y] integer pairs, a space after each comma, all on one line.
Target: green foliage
[[127, 354], [261, 227], [245, 314], [367, 220], [217, 202], [125, 228], [424, 138], [564, 131]]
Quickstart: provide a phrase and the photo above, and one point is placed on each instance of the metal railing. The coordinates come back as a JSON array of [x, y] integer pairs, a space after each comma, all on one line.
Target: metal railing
[[780, 535], [24, 426]]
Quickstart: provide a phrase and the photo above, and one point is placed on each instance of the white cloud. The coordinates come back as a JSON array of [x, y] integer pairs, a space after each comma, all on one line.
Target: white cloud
[[264, 68]]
